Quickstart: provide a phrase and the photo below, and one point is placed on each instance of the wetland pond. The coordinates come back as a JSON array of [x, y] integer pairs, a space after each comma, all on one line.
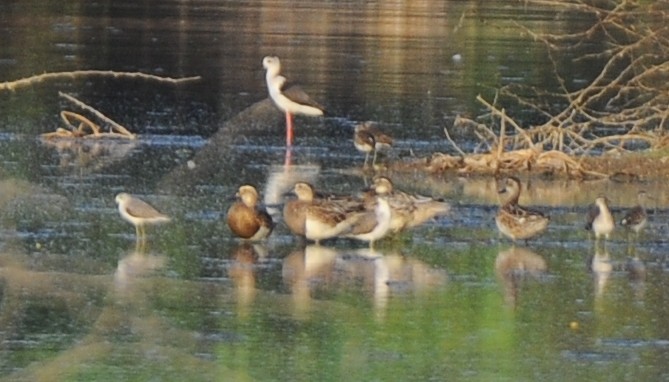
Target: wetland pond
[[449, 300]]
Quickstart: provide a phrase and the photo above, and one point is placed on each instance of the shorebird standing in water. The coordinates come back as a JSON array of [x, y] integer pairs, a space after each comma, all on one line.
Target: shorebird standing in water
[[407, 210], [368, 137], [636, 219], [600, 220], [375, 224], [138, 213], [292, 100]]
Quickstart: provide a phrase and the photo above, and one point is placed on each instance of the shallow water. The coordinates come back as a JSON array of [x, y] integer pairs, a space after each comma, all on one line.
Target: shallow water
[[449, 300]]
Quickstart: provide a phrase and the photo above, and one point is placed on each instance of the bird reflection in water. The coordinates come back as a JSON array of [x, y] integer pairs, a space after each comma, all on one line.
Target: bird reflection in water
[[369, 270], [281, 181], [378, 275], [131, 310], [601, 268], [515, 265], [306, 270], [131, 270], [242, 272], [636, 271]]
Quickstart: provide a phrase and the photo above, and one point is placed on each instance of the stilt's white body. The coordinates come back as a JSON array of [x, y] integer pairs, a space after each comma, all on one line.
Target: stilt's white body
[[275, 83], [286, 104]]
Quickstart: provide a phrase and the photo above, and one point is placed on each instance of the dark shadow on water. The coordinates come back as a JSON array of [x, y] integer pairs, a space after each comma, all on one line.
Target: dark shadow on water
[[261, 118]]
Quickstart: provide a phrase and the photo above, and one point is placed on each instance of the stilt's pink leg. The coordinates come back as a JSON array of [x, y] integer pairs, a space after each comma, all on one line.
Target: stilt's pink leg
[[289, 129], [287, 160]]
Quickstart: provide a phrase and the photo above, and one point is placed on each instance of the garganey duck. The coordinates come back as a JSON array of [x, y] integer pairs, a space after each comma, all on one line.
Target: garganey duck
[[409, 210], [514, 221], [320, 218]]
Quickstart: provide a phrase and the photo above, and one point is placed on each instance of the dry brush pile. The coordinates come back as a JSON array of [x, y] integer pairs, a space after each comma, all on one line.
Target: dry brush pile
[[77, 125], [624, 108]]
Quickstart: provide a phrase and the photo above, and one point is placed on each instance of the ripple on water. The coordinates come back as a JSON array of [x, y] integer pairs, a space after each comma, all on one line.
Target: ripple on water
[[194, 141], [599, 356], [631, 343]]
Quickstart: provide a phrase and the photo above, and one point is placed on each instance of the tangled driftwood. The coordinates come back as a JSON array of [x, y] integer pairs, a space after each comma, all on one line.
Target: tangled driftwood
[[547, 162], [86, 128], [77, 125], [630, 94]]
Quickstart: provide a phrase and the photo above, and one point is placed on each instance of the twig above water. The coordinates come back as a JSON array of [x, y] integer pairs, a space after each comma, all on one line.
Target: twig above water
[[115, 126], [23, 82]]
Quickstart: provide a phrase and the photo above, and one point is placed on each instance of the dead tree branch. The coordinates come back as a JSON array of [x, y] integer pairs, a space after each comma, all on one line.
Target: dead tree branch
[[28, 81]]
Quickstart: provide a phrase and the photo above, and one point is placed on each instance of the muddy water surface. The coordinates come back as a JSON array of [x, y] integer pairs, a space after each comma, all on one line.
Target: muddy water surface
[[449, 300]]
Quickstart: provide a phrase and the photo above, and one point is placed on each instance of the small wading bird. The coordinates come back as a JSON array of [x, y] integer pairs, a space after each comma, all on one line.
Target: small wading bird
[[246, 219], [368, 138], [409, 210], [289, 99], [138, 213], [636, 219], [514, 221], [600, 221], [375, 224]]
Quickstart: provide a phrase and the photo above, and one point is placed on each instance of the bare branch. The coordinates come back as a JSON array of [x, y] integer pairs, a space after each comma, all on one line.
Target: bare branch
[[28, 81]]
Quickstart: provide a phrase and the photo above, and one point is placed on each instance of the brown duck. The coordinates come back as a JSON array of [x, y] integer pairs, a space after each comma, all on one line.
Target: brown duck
[[514, 221], [246, 219]]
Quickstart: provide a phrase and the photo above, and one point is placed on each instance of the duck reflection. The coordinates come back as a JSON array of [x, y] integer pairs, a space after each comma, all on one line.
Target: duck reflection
[[242, 272], [305, 270], [367, 270], [513, 266], [323, 269]]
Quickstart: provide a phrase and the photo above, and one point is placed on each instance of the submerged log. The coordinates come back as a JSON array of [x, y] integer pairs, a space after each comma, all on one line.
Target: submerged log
[[214, 158]]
